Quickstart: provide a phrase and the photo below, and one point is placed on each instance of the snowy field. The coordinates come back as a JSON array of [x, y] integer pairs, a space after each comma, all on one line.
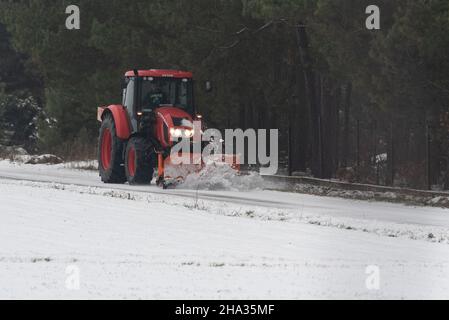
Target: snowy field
[[65, 235]]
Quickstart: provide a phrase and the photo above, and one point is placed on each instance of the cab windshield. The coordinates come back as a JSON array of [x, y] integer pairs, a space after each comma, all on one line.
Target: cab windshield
[[173, 92]]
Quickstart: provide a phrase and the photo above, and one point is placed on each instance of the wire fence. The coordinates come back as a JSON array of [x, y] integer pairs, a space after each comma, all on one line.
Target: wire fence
[[380, 152]]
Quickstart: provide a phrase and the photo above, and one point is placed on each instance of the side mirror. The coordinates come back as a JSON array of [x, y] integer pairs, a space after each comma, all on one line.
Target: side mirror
[[208, 86]]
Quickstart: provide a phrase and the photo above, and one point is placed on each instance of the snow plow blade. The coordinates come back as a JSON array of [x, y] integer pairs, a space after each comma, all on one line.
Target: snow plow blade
[[173, 172]]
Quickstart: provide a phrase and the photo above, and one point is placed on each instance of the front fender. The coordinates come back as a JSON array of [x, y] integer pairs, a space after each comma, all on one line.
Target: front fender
[[121, 119]]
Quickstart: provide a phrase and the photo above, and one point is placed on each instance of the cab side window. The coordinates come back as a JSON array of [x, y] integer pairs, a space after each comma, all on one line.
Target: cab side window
[[129, 97], [130, 103], [123, 96]]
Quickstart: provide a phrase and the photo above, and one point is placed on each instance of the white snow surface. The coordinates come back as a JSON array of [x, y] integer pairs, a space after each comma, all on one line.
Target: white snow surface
[[141, 242]]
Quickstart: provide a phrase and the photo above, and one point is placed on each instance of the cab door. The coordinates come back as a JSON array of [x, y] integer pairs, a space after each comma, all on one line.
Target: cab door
[[129, 102]]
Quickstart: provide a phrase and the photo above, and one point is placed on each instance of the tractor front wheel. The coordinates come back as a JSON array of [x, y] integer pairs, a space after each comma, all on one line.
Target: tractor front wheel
[[139, 161], [110, 153]]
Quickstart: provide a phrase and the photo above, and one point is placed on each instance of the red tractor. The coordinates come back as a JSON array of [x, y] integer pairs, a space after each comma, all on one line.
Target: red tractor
[[136, 137]]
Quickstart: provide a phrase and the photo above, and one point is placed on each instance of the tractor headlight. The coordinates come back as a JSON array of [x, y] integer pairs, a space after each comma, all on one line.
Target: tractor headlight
[[189, 133], [181, 133], [175, 133]]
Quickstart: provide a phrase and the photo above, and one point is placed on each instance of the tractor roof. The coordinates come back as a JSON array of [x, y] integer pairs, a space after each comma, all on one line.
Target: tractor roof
[[161, 73]]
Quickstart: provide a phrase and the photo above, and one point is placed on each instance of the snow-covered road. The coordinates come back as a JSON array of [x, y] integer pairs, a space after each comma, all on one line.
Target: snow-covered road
[[144, 242]]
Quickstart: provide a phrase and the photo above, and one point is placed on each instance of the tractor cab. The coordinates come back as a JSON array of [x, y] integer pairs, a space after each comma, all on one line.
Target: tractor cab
[[159, 104], [145, 91]]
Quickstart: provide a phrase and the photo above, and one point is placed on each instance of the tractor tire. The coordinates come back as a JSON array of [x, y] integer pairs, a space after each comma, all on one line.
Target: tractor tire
[[110, 153], [139, 161]]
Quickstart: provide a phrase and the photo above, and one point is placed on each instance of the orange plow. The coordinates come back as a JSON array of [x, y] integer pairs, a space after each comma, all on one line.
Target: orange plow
[[172, 172]]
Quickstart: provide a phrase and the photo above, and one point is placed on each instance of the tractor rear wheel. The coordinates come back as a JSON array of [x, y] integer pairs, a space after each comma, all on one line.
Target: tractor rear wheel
[[110, 153], [139, 161]]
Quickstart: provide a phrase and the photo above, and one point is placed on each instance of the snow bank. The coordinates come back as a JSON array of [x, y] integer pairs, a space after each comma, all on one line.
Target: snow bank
[[91, 165], [222, 177], [44, 159], [24, 158], [49, 163], [424, 200]]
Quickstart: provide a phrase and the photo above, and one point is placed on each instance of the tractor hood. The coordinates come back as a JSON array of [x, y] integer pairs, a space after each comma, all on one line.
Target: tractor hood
[[170, 120]]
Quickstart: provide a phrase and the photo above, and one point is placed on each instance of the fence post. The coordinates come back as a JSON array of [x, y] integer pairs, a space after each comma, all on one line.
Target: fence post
[[375, 160], [358, 145], [391, 156], [290, 160], [428, 164]]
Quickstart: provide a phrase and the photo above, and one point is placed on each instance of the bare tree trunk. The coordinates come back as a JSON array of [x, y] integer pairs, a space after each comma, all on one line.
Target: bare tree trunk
[[301, 123], [312, 97], [329, 117], [347, 110], [336, 122]]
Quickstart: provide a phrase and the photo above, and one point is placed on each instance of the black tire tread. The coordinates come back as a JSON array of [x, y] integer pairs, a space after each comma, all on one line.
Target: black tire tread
[[116, 172], [144, 161]]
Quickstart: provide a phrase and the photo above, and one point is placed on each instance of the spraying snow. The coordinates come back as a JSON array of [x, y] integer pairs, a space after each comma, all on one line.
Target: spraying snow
[[221, 176]]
